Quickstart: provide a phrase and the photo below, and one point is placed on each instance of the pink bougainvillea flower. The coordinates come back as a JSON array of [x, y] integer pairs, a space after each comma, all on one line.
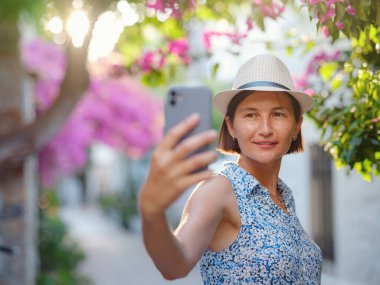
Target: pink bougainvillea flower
[[128, 119], [313, 2], [272, 11], [340, 25], [151, 60], [351, 10], [45, 93], [206, 39], [66, 153], [46, 60], [180, 48], [158, 5], [325, 31], [309, 92], [47, 63], [208, 36], [300, 83], [249, 24], [330, 13], [171, 6]]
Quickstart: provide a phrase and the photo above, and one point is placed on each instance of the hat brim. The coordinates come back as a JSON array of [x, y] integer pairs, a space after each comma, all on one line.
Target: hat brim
[[223, 98]]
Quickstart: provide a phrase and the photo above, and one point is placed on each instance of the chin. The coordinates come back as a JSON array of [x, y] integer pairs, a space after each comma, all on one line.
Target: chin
[[262, 160]]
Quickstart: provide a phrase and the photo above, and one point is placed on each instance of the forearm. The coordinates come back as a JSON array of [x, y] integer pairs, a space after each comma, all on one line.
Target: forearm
[[165, 248]]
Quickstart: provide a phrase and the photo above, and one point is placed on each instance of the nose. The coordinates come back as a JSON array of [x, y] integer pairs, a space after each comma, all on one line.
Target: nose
[[265, 127]]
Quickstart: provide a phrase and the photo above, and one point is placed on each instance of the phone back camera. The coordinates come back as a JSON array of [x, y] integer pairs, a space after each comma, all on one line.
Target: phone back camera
[[172, 102]]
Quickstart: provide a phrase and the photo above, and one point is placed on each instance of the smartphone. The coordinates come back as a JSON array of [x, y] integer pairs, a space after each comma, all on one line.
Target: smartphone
[[182, 101]]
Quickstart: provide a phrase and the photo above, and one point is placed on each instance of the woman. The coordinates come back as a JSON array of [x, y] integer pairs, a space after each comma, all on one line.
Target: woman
[[241, 223]]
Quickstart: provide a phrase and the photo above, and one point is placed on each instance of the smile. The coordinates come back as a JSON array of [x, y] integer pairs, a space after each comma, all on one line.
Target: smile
[[265, 143]]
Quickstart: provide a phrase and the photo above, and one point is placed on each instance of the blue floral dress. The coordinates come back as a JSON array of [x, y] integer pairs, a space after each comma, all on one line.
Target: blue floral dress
[[271, 247]]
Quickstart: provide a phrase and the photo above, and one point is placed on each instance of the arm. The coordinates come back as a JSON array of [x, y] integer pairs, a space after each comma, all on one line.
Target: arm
[[175, 254], [171, 173]]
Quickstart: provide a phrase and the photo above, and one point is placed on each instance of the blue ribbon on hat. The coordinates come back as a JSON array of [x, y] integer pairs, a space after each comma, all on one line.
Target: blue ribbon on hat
[[262, 84]]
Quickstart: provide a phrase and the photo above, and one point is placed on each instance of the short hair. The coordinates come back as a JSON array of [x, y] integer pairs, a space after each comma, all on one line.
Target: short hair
[[228, 145]]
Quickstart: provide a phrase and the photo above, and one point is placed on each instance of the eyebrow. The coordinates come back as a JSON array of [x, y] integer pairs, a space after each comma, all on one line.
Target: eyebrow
[[282, 108], [275, 108]]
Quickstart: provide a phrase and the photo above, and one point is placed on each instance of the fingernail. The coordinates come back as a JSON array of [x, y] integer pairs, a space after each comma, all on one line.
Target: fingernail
[[212, 133], [194, 116]]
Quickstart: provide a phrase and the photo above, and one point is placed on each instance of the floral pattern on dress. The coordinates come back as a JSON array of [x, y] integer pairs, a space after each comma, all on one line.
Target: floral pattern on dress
[[271, 248]]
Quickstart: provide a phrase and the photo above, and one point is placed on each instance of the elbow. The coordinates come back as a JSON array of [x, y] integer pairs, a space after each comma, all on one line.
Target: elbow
[[170, 276]]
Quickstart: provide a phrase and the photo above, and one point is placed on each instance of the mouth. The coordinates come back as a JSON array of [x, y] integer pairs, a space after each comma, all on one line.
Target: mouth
[[265, 143]]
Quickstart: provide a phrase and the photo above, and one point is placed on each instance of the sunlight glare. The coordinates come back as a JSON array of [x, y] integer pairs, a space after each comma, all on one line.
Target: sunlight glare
[[55, 25], [106, 33], [129, 16], [163, 16], [77, 27]]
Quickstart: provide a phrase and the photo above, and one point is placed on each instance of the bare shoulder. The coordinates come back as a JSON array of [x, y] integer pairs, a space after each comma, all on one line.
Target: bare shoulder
[[215, 189]]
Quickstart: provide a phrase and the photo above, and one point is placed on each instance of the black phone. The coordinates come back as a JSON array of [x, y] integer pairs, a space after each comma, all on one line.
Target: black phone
[[182, 101]]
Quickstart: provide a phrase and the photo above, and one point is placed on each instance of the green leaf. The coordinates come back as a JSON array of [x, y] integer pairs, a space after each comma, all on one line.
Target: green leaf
[[340, 11], [289, 50], [336, 82], [215, 69], [310, 45], [327, 70]]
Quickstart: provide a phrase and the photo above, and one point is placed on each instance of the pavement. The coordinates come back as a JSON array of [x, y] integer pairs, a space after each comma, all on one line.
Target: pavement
[[114, 256]]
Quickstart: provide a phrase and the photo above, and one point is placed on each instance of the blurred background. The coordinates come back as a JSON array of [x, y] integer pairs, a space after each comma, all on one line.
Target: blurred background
[[82, 90]]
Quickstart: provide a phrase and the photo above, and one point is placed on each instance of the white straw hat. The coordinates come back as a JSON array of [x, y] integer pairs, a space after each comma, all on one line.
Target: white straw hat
[[263, 72]]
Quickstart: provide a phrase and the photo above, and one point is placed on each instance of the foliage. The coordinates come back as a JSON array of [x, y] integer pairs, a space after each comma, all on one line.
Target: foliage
[[347, 84], [348, 17], [123, 204], [59, 256], [11, 9]]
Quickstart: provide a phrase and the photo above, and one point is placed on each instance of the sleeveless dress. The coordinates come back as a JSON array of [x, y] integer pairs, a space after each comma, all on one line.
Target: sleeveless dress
[[271, 248]]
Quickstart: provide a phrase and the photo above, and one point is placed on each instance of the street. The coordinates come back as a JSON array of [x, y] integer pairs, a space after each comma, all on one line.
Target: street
[[114, 256]]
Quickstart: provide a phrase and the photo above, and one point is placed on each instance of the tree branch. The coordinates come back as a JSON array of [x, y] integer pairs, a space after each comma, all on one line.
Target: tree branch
[[18, 143]]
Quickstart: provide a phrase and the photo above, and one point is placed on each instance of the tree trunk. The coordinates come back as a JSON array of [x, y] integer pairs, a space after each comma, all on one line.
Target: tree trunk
[[18, 186]]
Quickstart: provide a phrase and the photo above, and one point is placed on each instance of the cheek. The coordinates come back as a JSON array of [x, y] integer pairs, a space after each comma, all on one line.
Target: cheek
[[286, 130], [244, 129]]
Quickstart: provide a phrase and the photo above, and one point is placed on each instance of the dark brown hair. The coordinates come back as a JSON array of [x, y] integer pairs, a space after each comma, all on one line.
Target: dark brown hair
[[228, 145]]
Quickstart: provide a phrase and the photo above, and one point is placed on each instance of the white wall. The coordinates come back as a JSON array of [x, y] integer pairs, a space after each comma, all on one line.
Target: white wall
[[357, 228]]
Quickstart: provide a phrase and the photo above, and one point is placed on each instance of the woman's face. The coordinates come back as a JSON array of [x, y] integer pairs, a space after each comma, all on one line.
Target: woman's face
[[264, 125]]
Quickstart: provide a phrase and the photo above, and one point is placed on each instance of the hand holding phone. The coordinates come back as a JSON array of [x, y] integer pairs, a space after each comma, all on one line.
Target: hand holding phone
[[173, 168]]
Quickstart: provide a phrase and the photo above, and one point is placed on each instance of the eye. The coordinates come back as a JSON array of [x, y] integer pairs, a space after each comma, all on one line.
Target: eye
[[250, 115], [278, 114]]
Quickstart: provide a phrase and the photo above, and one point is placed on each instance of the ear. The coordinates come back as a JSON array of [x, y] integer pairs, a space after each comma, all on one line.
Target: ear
[[229, 126], [298, 126]]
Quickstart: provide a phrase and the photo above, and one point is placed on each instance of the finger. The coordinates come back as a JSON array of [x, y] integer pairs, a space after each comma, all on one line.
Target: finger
[[193, 143], [196, 162], [175, 134]]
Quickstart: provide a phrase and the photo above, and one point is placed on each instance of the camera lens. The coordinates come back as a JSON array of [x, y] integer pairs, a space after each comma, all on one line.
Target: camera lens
[[173, 93], [172, 102]]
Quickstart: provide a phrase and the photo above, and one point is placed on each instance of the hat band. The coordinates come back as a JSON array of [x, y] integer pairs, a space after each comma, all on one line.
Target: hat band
[[263, 84]]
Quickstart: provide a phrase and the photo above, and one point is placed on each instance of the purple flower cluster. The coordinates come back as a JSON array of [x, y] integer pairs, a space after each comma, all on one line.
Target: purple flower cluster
[[115, 110]]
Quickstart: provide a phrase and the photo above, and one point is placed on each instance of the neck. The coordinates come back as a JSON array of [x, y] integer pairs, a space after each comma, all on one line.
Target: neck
[[266, 174]]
